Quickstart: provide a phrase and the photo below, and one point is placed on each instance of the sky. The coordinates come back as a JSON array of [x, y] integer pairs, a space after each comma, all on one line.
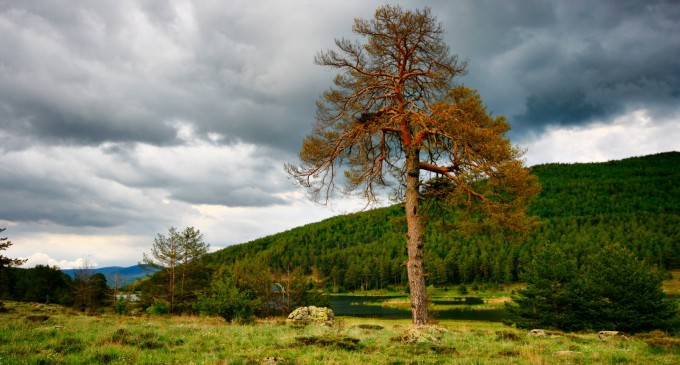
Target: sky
[[121, 119]]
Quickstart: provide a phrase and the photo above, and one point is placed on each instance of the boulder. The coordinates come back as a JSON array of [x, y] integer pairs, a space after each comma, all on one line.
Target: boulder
[[603, 335], [311, 314]]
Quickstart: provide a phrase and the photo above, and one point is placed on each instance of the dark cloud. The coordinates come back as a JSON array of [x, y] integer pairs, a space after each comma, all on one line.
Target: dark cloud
[[104, 73], [570, 63], [30, 196], [202, 103], [246, 196], [90, 73]]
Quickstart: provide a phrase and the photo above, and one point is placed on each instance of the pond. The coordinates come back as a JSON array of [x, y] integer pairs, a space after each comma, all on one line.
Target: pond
[[374, 306]]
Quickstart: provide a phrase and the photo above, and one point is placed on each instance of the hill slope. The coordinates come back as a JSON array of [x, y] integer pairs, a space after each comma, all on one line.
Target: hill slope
[[635, 201]]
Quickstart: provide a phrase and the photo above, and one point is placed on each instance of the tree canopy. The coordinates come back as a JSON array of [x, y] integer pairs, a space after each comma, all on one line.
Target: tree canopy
[[5, 243]]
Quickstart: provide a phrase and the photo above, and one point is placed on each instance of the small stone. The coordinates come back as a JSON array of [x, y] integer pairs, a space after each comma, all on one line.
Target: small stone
[[537, 333], [272, 360]]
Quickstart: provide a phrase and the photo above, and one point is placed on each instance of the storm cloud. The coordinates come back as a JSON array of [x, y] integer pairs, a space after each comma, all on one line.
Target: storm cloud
[[571, 63], [119, 119]]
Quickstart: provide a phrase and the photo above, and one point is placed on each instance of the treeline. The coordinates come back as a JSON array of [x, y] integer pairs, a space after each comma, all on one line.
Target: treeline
[[235, 292], [184, 284], [634, 202], [48, 284]]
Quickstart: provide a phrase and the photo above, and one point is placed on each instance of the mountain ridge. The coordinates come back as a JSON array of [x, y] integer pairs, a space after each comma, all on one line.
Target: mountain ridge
[[127, 275]]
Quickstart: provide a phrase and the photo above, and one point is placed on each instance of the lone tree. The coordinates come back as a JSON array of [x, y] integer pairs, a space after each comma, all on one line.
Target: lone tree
[[174, 254], [394, 112], [83, 285]]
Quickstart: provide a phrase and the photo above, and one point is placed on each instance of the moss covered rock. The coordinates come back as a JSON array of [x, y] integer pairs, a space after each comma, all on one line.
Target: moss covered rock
[[311, 314]]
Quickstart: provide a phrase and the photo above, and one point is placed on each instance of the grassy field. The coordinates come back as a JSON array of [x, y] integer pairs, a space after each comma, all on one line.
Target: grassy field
[[50, 334]]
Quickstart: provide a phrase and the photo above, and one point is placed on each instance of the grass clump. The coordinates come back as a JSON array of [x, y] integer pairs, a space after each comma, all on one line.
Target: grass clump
[[660, 341], [341, 342], [369, 327], [509, 336], [69, 345], [144, 340], [37, 317], [120, 337]]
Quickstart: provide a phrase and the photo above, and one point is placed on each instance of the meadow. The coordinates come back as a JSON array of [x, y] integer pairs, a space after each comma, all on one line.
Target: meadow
[[52, 334]]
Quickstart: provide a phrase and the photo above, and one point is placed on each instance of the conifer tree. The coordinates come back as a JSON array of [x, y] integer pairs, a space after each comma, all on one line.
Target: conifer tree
[[395, 118], [173, 254], [611, 290]]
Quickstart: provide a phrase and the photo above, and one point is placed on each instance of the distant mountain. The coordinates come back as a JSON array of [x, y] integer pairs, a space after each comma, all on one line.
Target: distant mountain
[[127, 275], [635, 202]]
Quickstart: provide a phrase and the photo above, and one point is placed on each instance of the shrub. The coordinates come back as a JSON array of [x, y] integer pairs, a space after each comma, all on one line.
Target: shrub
[[462, 289], [611, 290], [121, 305], [159, 307], [226, 300]]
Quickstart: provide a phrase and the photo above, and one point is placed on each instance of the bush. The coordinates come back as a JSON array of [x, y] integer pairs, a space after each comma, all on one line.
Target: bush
[[611, 290], [462, 289], [159, 307], [226, 300], [121, 305]]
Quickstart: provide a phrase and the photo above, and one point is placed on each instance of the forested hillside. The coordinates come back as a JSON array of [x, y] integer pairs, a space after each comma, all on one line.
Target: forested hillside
[[635, 202]]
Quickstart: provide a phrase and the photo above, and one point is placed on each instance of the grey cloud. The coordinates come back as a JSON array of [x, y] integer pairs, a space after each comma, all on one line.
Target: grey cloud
[[124, 72], [576, 62], [27, 197], [204, 174], [119, 77], [632, 65], [83, 76], [247, 196], [124, 185]]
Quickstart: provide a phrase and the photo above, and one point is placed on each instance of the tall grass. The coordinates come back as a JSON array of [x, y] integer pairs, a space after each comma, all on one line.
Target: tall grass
[[49, 334]]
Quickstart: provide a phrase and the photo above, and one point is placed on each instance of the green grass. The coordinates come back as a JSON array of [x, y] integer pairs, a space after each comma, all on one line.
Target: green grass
[[672, 286], [50, 334]]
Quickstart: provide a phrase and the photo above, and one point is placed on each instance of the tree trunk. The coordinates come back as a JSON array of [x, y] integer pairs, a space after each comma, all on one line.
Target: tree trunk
[[414, 242], [172, 287], [185, 265]]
